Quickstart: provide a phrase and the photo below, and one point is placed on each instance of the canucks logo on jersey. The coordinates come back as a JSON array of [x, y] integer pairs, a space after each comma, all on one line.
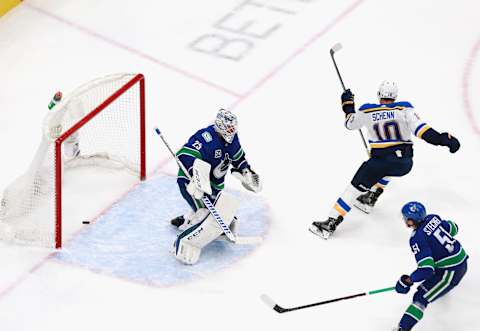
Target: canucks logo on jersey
[[221, 169]]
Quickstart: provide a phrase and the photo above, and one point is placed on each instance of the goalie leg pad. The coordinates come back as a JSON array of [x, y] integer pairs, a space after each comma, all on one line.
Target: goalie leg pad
[[194, 218], [198, 236], [186, 253]]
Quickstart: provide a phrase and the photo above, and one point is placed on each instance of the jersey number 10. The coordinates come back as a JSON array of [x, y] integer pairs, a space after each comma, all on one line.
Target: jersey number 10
[[390, 130]]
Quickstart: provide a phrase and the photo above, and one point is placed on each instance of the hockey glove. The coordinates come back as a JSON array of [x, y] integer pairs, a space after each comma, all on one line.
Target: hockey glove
[[348, 104], [450, 141], [194, 190], [249, 179], [403, 284]]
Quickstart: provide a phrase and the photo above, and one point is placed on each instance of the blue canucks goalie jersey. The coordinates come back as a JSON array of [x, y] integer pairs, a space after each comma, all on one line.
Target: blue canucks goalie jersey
[[435, 248], [208, 145]]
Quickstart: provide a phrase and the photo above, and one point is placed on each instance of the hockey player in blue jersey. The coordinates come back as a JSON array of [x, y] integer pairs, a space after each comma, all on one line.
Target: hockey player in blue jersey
[[215, 147], [441, 261], [390, 125]]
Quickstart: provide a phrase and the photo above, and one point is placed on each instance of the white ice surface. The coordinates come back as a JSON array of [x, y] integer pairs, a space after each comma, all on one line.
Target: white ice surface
[[286, 93]]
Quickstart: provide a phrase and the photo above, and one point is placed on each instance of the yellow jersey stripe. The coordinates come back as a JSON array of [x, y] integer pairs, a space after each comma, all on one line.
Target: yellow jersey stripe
[[422, 131], [386, 144], [371, 110]]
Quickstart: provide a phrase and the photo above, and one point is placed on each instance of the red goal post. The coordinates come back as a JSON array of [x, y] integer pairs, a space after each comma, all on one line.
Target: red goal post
[[104, 120], [137, 79]]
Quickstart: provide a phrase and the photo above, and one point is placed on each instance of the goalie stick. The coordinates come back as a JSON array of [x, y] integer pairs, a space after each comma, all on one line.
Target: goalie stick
[[334, 50], [211, 208], [269, 302]]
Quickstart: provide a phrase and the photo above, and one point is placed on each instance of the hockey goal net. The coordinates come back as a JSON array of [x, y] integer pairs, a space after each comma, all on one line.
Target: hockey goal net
[[100, 125]]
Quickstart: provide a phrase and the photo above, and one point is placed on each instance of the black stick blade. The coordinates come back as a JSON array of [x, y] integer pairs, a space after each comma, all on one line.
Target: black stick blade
[[279, 309]]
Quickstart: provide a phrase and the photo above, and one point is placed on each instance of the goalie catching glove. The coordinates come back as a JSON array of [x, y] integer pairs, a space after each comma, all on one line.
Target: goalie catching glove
[[249, 179]]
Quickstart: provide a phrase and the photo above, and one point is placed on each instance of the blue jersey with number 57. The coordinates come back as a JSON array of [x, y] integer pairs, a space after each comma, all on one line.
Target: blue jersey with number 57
[[434, 247]]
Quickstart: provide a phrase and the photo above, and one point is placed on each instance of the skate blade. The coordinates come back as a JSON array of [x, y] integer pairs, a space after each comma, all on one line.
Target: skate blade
[[321, 233], [365, 209]]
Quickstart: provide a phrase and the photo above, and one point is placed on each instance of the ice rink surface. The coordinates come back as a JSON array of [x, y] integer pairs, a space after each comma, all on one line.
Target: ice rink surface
[[269, 62]]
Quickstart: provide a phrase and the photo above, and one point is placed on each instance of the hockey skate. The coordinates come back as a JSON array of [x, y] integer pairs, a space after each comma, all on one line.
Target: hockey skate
[[365, 202], [183, 222], [397, 328], [325, 229], [178, 221]]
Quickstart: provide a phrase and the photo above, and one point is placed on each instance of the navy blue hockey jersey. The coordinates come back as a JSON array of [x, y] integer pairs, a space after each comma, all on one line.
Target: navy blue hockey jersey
[[435, 248], [208, 145]]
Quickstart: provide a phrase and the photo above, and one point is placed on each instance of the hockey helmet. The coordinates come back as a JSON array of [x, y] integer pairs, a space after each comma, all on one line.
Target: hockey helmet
[[226, 124], [387, 90], [414, 211]]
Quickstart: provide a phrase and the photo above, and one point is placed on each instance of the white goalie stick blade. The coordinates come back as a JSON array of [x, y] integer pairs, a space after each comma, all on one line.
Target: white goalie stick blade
[[243, 240], [248, 240], [336, 48]]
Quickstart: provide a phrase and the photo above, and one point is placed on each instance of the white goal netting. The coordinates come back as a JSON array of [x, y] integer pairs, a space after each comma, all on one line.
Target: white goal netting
[[100, 125]]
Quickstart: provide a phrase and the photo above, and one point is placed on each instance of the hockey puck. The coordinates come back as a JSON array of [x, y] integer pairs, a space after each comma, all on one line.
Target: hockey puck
[[86, 222]]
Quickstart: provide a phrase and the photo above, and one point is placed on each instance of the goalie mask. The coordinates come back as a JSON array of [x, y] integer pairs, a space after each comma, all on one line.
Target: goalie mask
[[226, 124]]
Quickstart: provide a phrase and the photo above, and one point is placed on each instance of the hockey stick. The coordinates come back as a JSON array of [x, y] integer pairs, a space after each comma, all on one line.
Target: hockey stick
[[211, 208], [265, 298], [245, 240], [333, 50]]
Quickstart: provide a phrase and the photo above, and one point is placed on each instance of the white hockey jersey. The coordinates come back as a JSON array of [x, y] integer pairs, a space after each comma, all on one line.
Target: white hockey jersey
[[387, 124]]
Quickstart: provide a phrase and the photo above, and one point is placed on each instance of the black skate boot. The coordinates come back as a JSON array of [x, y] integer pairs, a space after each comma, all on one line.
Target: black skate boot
[[178, 221], [397, 328], [365, 202], [374, 197], [325, 229]]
